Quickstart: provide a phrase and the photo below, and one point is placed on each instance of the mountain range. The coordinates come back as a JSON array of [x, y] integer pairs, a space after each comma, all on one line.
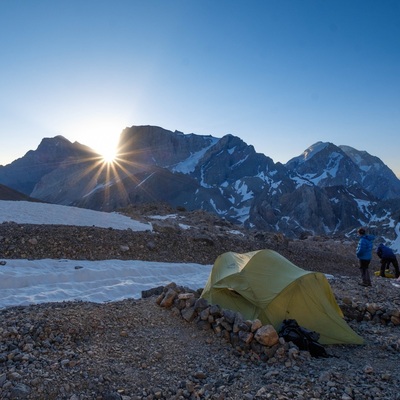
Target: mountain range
[[326, 190]]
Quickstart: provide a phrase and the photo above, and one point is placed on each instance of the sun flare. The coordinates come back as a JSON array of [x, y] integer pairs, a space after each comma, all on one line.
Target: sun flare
[[100, 133], [107, 150], [109, 155]]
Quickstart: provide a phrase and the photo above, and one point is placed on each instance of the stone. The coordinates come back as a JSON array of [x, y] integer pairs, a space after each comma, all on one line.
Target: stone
[[256, 324], [201, 304], [169, 298], [229, 316], [20, 391], [152, 292], [245, 337], [189, 314], [267, 335], [185, 296]]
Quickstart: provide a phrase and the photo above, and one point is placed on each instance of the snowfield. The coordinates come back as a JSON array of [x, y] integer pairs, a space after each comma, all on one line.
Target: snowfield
[[24, 282]]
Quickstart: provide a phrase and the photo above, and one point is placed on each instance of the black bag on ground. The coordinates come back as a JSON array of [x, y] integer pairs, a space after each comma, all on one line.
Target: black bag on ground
[[303, 338]]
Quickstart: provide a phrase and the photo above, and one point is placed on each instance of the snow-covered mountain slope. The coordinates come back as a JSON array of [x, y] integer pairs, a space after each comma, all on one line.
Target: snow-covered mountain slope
[[328, 189]]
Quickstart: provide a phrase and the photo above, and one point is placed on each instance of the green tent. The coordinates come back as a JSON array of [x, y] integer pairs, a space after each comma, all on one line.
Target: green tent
[[265, 285]]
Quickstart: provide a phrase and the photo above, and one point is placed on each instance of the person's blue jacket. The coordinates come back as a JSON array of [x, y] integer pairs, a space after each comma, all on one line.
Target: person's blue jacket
[[364, 248], [385, 252]]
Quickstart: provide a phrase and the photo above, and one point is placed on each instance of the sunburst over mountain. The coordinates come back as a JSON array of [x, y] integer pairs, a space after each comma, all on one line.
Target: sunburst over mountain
[[327, 190]]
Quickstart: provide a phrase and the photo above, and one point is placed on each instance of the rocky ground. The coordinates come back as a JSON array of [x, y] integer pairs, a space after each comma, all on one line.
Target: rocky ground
[[135, 349]]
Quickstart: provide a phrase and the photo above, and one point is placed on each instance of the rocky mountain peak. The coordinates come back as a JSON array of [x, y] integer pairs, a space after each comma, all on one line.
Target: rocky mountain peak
[[328, 189]]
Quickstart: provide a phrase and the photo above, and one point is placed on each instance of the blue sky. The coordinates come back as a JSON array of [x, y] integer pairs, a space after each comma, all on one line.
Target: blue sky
[[281, 74]]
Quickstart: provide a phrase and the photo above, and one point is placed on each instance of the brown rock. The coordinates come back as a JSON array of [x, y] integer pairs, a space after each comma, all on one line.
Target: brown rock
[[266, 335]]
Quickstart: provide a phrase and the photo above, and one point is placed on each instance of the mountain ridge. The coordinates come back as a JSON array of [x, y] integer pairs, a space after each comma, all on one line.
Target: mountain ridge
[[328, 189]]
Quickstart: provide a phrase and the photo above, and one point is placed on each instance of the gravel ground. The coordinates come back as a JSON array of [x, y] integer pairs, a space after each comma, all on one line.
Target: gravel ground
[[134, 349]]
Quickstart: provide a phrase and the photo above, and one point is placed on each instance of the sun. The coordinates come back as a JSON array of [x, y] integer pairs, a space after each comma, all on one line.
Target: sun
[[109, 155], [100, 133], [106, 147]]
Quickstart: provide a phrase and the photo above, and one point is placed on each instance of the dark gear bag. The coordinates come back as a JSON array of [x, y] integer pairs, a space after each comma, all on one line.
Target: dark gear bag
[[303, 338]]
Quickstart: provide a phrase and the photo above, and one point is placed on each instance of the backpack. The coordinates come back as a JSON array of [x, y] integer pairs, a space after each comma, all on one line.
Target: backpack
[[303, 338]]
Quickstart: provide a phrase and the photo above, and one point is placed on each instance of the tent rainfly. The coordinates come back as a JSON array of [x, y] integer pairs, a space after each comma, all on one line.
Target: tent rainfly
[[265, 285]]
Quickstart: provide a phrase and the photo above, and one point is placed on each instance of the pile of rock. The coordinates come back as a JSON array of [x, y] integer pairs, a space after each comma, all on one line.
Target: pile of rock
[[379, 304], [262, 342], [371, 312]]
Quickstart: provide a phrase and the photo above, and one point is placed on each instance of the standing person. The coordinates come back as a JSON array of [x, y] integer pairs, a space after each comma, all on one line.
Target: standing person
[[364, 255], [387, 257]]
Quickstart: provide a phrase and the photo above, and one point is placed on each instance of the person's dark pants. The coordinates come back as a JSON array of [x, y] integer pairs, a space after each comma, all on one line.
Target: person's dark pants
[[385, 264], [366, 279]]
